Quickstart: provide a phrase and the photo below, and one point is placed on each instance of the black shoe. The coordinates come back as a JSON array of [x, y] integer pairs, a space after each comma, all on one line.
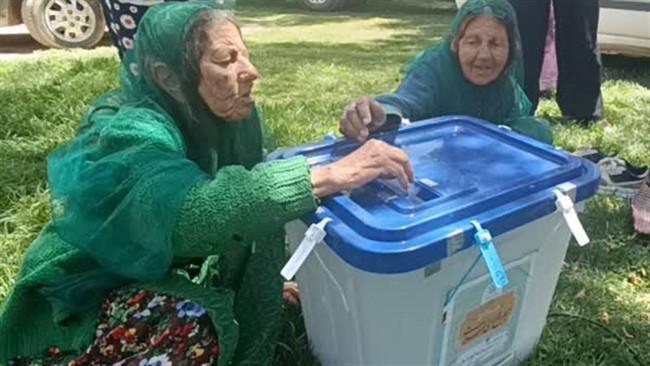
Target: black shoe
[[618, 172], [614, 171], [590, 154]]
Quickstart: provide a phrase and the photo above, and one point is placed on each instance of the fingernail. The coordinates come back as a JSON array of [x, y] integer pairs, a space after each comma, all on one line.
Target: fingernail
[[366, 121]]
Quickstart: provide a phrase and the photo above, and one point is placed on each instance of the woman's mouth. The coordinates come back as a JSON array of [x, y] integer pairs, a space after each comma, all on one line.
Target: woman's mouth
[[483, 68]]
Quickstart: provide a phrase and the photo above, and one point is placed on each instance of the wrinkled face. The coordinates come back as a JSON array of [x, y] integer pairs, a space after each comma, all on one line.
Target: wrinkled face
[[483, 50], [227, 74]]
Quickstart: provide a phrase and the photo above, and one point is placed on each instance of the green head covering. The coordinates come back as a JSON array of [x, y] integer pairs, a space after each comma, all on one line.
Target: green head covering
[[434, 83], [169, 34]]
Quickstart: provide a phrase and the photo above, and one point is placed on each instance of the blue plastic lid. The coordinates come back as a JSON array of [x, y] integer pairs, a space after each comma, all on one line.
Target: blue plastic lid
[[465, 169]]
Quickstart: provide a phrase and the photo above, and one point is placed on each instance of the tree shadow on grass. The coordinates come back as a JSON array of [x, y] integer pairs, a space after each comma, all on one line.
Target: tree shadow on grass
[[281, 15], [632, 69]]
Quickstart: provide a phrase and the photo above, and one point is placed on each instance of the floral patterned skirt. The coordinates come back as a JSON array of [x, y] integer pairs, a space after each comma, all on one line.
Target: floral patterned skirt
[[140, 328]]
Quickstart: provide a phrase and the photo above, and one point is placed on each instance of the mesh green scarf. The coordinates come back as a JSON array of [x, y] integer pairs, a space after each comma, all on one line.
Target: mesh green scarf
[[118, 187]]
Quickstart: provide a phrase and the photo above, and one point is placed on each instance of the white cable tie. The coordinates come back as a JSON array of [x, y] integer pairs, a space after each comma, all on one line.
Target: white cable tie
[[565, 204], [314, 235]]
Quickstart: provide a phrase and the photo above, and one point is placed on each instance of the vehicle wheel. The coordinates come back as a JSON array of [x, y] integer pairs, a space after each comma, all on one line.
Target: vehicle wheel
[[64, 23], [322, 5]]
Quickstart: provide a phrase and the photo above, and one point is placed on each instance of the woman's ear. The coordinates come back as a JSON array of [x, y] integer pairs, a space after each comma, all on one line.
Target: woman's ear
[[167, 80]]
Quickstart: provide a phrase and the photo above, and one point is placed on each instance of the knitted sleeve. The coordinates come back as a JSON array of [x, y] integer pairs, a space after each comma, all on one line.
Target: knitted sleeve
[[239, 205]]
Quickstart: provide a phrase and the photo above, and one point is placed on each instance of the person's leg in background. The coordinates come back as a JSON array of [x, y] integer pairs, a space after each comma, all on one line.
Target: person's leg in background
[[579, 62], [548, 77], [110, 16], [122, 18], [532, 16]]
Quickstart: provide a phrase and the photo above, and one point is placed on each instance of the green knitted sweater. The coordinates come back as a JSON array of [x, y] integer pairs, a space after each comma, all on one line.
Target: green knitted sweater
[[232, 223], [160, 194]]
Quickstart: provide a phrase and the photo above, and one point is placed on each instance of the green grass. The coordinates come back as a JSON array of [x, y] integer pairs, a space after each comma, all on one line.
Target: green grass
[[626, 129], [312, 65]]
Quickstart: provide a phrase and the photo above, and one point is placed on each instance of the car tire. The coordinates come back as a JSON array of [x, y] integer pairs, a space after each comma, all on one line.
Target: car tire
[[64, 23], [322, 5]]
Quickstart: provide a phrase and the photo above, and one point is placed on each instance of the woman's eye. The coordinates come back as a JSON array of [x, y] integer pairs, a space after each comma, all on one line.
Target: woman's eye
[[233, 56], [225, 58]]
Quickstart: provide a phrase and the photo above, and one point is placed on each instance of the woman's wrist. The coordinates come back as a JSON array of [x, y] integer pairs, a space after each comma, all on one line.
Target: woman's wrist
[[324, 181]]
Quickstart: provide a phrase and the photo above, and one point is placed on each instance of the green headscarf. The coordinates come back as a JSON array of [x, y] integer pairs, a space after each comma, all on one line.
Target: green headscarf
[[162, 37], [118, 187], [434, 84]]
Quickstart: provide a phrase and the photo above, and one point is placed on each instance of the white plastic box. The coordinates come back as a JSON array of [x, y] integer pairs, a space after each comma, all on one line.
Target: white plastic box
[[401, 280]]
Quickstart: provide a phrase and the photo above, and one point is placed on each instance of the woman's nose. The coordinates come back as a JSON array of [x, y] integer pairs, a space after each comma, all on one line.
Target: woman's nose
[[484, 51], [248, 70]]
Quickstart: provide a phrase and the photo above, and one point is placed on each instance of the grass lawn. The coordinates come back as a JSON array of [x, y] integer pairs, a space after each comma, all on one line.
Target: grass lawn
[[312, 65]]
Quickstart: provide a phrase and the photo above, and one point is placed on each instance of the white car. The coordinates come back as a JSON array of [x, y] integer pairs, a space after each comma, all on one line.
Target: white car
[[80, 23], [57, 23], [623, 27]]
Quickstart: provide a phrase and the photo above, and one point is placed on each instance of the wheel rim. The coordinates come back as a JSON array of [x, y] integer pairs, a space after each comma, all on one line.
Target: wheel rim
[[72, 21], [318, 2]]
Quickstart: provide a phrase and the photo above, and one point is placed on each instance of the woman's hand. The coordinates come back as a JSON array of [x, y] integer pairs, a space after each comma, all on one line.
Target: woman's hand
[[374, 159], [362, 117], [291, 293]]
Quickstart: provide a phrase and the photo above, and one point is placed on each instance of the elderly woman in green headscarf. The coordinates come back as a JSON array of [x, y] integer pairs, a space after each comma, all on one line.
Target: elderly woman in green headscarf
[[166, 240], [476, 70]]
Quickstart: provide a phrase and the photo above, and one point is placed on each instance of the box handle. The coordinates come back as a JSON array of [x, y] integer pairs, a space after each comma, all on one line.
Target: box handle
[[565, 204], [314, 235]]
